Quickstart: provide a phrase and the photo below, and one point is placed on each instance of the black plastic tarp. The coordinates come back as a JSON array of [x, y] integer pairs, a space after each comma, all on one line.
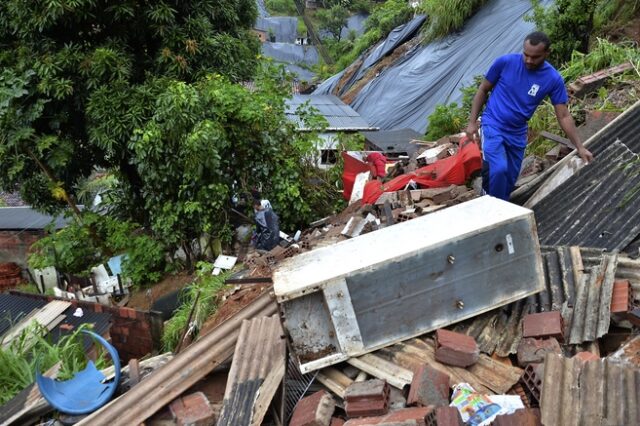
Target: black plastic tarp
[[291, 53], [395, 38], [283, 28], [404, 94]]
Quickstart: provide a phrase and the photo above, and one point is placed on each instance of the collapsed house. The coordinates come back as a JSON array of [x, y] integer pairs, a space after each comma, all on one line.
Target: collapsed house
[[428, 306]]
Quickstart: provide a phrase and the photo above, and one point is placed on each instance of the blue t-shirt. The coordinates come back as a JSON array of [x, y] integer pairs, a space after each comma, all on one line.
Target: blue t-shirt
[[518, 91]]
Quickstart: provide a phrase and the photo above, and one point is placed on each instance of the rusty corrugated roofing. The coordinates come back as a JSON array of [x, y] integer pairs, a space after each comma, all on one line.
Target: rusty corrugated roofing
[[258, 362], [599, 206], [591, 393], [583, 302]]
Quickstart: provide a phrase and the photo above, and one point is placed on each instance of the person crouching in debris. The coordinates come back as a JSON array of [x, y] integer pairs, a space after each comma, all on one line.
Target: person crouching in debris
[[267, 234], [377, 163]]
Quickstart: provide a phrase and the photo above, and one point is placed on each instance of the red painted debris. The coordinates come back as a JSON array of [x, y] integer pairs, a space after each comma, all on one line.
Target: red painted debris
[[456, 349], [314, 410], [523, 417], [587, 356], [532, 350], [545, 324], [621, 298], [444, 416], [368, 398], [429, 387], [193, 409], [407, 415]]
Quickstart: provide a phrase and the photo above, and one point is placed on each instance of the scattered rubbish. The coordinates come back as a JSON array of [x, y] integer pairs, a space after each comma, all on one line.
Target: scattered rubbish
[[78, 313]]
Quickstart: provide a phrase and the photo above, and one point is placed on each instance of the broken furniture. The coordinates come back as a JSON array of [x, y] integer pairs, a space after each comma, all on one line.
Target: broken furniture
[[85, 392], [387, 286]]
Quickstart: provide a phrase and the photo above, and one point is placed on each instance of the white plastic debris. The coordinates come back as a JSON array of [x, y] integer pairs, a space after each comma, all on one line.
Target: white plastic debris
[[78, 313]]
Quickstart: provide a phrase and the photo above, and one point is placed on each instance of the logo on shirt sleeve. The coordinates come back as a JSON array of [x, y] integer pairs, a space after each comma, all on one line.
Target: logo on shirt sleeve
[[534, 90]]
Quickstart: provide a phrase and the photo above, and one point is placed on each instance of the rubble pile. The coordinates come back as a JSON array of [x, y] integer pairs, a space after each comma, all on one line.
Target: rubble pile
[[429, 306]]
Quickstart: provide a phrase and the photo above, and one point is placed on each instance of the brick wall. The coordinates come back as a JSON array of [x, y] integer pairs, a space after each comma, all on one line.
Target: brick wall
[[133, 333], [14, 245]]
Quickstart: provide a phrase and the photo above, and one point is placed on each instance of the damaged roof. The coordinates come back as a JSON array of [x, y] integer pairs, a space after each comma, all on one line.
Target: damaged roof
[[340, 116], [583, 302], [599, 205], [24, 217], [394, 140], [589, 393]]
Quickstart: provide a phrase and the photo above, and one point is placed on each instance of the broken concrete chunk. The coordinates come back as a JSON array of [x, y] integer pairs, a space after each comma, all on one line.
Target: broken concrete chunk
[[532, 350], [456, 349], [193, 409], [429, 387], [444, 416], [314, 410]]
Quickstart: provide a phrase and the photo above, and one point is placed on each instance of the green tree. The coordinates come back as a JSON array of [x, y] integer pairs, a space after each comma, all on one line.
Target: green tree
[[568, 23], [79, 76], [333, 20]]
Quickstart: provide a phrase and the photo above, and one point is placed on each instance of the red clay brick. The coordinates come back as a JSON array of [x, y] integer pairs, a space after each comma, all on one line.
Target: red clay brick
[[545, 324], [193, 409], [522, 417], [314, 410], [445, 416], [587, 356], [534, 350], [532, 380], [337, 421], [417, 414], [368, 398], [621, 298], [456, 349], [429, 387]]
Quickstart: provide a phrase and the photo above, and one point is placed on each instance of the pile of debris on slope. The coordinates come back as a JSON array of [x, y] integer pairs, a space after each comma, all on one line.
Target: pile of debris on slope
[[441, 316]]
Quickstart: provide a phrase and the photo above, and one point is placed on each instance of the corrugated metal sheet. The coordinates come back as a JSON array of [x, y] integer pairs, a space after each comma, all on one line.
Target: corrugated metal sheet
[[599, 206], [15, 308], [339, 115], [591, 393], [256, 371], [578, 283], [21, 218], [394, 140]]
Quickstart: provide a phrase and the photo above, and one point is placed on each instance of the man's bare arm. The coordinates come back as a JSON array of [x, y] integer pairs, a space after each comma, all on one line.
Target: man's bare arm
[[569, 127], [478, 102]]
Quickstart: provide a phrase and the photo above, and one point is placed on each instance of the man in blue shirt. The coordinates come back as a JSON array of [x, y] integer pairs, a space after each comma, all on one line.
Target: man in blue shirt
[[518, 84]]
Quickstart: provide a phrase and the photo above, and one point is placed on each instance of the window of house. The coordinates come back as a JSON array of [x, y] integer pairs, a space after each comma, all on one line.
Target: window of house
[[328, 156]]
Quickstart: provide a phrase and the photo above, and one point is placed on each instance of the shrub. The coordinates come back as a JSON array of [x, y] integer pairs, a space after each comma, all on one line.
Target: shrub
[[446, 16]]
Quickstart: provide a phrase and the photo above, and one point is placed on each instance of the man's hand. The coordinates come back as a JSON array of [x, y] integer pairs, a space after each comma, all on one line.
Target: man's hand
[[472, 132], [585, 154]]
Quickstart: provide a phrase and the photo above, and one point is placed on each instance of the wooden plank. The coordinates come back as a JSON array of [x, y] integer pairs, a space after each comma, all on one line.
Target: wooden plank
[[486, 376], [380, 368], [334, 380], [557, 139]]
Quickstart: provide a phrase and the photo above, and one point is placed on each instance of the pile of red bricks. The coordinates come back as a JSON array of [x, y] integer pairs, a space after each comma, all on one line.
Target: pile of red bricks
[[368, 398]]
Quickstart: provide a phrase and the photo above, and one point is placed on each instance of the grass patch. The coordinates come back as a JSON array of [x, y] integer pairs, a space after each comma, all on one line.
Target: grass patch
[[18, 362], [209, 287], [447, 16]]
